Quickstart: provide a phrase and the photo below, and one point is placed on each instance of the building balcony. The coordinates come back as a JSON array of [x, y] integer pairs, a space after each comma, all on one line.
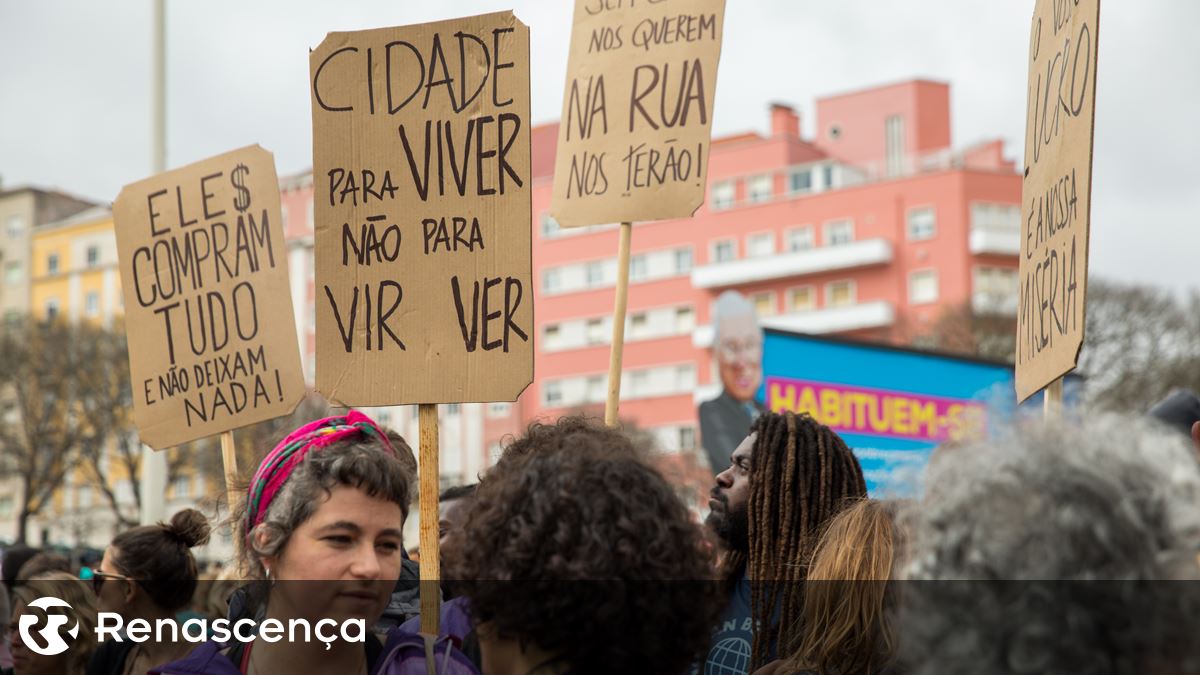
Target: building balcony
[[782, 266], [995, 241], [861, 316]]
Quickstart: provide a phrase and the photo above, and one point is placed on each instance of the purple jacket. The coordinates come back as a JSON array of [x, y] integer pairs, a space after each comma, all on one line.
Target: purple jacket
[[207, 659]]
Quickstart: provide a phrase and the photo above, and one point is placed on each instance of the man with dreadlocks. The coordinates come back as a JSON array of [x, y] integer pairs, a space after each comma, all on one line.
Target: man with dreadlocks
[[788, 478]]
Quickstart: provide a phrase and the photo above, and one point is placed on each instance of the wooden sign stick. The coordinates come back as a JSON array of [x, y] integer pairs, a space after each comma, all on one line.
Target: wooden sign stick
[[613, 404], [1053, 400], [431, 595], [229, 464]]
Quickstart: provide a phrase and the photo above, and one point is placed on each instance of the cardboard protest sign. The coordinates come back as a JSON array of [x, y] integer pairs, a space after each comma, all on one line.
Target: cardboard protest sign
[[1057, 190], [421, 165], [208, 310], [637, 111]]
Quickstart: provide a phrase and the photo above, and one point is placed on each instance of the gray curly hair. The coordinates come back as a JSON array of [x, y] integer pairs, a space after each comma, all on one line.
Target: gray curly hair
[[1052, 552], [357, 464]]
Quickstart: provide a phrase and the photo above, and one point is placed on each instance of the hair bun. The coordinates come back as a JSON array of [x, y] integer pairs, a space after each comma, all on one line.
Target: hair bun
[[190, 527]]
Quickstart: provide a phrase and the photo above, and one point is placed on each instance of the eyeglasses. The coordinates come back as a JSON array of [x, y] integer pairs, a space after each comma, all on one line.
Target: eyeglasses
[[98, 578]]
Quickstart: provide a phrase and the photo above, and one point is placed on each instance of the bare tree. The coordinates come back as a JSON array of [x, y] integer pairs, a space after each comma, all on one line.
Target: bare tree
[[1141, 343], [970, 331], [46, 374]]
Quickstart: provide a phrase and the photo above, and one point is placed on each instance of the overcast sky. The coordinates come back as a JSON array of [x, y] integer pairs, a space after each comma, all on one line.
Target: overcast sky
[[75, 89]]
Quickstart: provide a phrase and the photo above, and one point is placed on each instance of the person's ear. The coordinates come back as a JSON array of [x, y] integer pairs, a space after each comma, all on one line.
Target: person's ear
[[131, 591], [1196, 436], [261, 538]]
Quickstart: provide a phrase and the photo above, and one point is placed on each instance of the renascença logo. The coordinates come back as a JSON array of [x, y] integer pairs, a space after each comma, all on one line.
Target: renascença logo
[[55, 644]]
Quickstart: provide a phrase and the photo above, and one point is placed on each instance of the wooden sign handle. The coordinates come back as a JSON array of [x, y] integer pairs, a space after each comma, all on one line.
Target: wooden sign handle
[[230, 467], [1053, 401], [431, 592], [613, 404]]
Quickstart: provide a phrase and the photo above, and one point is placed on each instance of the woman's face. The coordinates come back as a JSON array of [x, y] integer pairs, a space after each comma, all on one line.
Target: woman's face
[[114, 592], [352, 545], [25, 661]]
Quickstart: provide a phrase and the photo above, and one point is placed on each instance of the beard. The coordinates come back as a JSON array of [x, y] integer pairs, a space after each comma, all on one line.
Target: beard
[[732, 526]]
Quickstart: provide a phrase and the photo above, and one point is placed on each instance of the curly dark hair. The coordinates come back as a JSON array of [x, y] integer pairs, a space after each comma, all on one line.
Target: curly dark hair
[[579, 546]]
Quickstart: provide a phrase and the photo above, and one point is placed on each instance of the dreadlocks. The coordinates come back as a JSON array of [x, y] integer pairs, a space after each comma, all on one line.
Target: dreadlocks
[[801, 475]]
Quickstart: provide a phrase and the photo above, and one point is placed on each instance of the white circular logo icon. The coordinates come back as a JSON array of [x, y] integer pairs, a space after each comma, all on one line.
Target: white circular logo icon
[[49, 634]]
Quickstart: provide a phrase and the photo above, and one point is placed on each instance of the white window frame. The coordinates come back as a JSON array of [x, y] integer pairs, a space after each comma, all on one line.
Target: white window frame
[[593, 266], [828, 231], [552, 337], [851, 283], [812, 294], [719, 204], [688, 311], [639, 267], [88, 258], [715, 243], [547, 387], [758, 181], [52, 264], [788, 234], [774, 304], [499, 409], [14, 226], [548, 274], [588, 327], [12, 272], [768, 236], [550, 228], [791, 189], [912, 277], [913, 235], [90, 299], [691, 257]]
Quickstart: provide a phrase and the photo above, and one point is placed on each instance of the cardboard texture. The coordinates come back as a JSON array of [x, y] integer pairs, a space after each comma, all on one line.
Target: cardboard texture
[[1057, 190], [637, 111], [208, 307], [421, 165]]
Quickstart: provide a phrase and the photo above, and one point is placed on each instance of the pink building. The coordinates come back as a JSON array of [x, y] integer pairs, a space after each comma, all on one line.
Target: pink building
[[870, 229]]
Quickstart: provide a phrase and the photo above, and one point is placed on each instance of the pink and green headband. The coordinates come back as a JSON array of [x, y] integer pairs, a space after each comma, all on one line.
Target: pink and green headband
[[275, 468]]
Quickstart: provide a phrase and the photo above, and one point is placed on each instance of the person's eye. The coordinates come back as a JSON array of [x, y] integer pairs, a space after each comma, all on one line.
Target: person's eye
[[389, 546], [339, 539]]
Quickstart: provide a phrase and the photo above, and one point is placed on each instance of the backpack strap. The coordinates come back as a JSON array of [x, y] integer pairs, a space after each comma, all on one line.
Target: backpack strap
[[430, 665]]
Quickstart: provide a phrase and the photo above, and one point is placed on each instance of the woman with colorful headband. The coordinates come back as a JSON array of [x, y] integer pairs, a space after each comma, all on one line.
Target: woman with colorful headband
[[322, 528]]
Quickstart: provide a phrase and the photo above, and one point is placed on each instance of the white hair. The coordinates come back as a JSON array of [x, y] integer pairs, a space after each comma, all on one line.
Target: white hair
[[732, 305]]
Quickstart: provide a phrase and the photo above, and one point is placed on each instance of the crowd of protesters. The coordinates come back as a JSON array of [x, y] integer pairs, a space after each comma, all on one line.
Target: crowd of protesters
[[1061, 548]]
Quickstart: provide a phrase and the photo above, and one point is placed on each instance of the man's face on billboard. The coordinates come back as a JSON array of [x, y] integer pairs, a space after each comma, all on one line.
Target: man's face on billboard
[[739, 356]]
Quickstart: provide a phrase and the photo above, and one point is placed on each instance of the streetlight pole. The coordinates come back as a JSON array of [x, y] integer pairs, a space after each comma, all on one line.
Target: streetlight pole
[[154, 464]]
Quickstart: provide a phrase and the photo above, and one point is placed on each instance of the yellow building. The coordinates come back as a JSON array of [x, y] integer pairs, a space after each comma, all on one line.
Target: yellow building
[[73, 269]]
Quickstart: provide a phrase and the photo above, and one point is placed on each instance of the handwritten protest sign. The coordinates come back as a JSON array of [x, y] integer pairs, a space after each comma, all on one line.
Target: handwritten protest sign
[[421, 161], [208, 311], [1056, 194], [637, 110]]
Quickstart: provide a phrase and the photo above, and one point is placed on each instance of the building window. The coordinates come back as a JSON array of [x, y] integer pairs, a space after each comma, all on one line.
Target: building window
[[638, 325], [685, 319], [800, 181], [839, 294], [724, 250], [839, 232], [687, 438], [52, 264], [995, 216], [760, 244], [894, 129], [639, 381], [91, 305], [685, 377], [52, 309], [182, 487], [551, 281], [760, 188], [995, 288], [595, 331], [553, 336], [14, 226], [801, 299], [93, 256], [800, 238], [922, 287], [638, 270], [764, 303], [594, 273], [453, 409], [827, 174], [922, 224], [12, 272], [550, 226], [499, 410], [683, 260], [595, 389], [552, 394], [723, 194]]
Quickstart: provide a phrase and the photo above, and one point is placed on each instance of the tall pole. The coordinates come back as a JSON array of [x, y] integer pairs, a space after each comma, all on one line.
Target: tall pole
[[154, 464]]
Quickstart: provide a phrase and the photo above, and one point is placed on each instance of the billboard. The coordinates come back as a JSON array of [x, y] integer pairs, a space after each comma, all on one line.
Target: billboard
[[891, 405]]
